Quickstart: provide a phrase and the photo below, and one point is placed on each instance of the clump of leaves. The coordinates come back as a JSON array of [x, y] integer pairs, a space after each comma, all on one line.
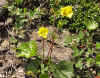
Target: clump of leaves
[[84, 51], [83, 12], [27, 49], [64, 69], [18, 2], [32, 67]]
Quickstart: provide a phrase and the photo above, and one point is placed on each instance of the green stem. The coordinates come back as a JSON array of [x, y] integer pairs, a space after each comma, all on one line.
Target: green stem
[[43, 49]]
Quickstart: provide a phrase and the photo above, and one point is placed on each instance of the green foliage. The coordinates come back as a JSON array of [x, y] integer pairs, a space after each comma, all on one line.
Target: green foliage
[[44, 75], [84, 11], [32, 68], [44, 68], [97, 45], [63, 70], [86, 15], [92, 25], [23, 16], [77, 52], [81, 35], [27, 49], [74, 39], [54, 3], [98, 59], [82, 46], [60, 24], [18, 2], [90, 62], [79, 64]]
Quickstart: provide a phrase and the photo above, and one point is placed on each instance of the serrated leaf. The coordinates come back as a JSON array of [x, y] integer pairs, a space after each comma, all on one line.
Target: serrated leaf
[[27, 49], [32, 67], [64, 70]]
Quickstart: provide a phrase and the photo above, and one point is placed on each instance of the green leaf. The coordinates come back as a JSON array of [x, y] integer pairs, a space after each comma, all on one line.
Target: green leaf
[[79, 64], [32, 13], [27, 49], [25, 10], [90, 62], [81, 35], [77, 52], [32, 68], [98, 59], [19, 2], [63, 70], [97, 45], [44, 75], [61, 23], [43, 68]]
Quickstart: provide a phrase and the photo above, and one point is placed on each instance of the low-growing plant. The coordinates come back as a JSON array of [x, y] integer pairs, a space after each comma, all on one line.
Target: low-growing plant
[[44, 67], [27, 49], [84, 56], [83, 12], [76, 15]]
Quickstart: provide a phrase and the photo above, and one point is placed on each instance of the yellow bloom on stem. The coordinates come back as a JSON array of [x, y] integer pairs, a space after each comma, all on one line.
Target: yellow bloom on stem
[[67, 11], [43, 32]]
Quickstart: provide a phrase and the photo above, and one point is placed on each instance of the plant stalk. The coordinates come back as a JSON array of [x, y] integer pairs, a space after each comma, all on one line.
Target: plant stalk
[[43, 50]]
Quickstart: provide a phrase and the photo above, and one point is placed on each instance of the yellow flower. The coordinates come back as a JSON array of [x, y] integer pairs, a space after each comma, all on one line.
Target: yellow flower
[[67, 11], [43, 32]]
